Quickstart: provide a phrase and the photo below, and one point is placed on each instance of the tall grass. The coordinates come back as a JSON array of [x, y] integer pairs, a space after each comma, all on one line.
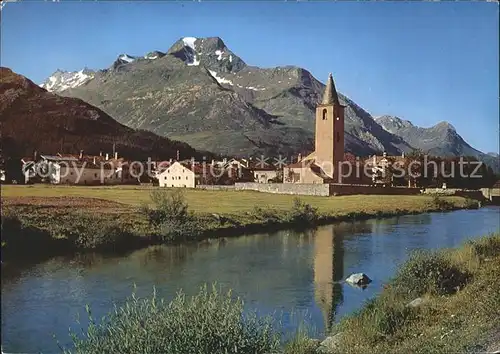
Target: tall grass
[[208, 322]]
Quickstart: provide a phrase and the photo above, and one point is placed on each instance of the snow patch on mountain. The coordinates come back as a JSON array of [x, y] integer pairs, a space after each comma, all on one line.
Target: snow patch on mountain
[[63, 80], [219, 54], [255, 88], [126, 57], [219, 79], [189, 42]]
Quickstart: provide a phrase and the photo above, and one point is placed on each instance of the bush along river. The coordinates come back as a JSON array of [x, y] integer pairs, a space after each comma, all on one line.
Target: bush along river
[[297, 275]]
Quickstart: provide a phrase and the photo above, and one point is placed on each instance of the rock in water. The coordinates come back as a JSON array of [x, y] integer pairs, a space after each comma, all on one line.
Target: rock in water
[[359, 279]]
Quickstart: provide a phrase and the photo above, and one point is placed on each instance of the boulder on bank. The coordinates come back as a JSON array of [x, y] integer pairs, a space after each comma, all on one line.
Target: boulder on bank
[[417, 302], [358, 279], [330, 344]]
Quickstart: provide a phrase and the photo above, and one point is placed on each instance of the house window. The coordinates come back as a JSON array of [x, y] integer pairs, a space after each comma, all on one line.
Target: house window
[[183, 170], [186, 177], [168, 171], [324, 114], [165, 178], [173, 177], [95, 175], [71, 173]]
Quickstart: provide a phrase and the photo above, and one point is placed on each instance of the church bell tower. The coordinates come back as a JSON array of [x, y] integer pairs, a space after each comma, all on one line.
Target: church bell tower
[[329, 146]]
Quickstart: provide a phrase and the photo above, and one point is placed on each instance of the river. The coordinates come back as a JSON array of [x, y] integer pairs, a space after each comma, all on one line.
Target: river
[[294, 274]]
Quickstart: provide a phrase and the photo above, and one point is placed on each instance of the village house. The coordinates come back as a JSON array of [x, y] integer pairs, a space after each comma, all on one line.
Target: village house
[[265, 174], [382, 168], [78, 169], [185, 175]]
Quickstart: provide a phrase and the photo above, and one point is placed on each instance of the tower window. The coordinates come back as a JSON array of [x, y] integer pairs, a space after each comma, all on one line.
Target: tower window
[[338, 137], [324, 114]]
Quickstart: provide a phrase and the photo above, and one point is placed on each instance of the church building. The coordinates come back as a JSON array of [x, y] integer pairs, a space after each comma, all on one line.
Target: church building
[[323, 165]]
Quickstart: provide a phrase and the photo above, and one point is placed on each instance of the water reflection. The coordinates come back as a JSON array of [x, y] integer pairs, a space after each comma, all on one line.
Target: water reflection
[[328, 271]]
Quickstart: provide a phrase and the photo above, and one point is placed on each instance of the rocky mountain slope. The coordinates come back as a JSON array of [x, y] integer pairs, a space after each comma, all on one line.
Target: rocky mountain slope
[[202, 93], [33, 119], [441, 139]]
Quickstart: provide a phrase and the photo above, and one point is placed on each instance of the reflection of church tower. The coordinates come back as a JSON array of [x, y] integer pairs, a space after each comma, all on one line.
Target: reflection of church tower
[[328, 270], [329, 149]]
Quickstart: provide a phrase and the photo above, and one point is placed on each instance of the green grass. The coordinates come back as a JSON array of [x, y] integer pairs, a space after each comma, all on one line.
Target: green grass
[[237, 202], [209, 322], [461, 308]]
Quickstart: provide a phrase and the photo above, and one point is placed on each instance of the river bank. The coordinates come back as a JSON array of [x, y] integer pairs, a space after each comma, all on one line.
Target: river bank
[[457, 311], [446, 301], [37, 221]]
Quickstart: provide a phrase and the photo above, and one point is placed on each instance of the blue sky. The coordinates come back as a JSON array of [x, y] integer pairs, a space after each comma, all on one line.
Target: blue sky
[[422, 61]]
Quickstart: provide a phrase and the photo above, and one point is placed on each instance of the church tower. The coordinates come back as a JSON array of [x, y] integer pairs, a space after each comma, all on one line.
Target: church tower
[[329, 149]]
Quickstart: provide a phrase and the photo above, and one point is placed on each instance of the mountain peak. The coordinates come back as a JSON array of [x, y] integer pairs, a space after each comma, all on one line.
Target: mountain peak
[[391, 123], [210, 52], [445, 125], [62, 80]]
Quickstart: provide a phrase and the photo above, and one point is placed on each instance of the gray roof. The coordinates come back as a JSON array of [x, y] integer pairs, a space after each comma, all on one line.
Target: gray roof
[[58, 158]]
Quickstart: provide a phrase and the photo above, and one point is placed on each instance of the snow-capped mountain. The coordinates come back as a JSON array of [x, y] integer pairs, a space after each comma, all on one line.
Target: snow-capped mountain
[[62, 80], [202, 93]]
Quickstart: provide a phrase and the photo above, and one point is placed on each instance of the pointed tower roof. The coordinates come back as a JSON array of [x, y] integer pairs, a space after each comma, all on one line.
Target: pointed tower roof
[[330, 96]]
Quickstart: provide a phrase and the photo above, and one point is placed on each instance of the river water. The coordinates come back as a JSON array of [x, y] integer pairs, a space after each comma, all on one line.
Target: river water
[[294, 274]]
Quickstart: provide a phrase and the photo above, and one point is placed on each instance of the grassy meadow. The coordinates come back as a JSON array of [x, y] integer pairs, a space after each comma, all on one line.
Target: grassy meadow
[[126, 217], [232, 202]]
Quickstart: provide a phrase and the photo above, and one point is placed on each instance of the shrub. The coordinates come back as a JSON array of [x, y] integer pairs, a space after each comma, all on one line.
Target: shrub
[[171, 217], [471, 203], [303, 213], [168, 204], [208, 322], [301, 344], [19, 238], [180, 230], [429, 272], [90, 232], [266, 214], [487, 247], [441, 204], [388, 318]]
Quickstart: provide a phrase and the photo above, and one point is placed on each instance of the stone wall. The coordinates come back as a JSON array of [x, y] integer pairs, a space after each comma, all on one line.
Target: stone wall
[[466, 193], [324, 189], [215, 187], [286, 188], [350, 189]]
